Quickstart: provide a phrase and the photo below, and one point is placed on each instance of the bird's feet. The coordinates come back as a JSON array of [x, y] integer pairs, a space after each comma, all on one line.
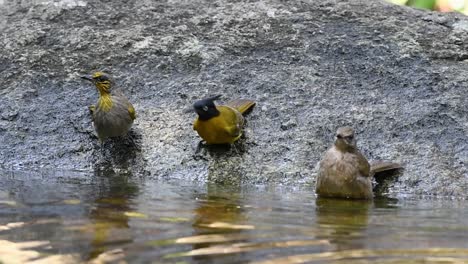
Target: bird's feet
[[92, 108], [200, 145]]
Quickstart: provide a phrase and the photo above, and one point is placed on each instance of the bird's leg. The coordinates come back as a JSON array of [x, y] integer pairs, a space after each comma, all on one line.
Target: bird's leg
[[103, 152], [236, 150], [132, 140], [200, 145], [198, 155], [239, 147], [92, 110]]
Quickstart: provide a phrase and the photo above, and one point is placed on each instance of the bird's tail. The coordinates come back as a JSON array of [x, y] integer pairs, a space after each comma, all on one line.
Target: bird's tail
[[242, 105], [382, 169], [383, 166]]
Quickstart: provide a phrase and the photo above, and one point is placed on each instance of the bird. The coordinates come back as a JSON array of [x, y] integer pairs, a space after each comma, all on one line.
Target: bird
[[113, 114], [220, 124], [344, 171]]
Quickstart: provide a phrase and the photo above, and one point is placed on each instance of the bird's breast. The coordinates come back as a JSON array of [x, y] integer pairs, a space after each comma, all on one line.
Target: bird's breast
[[222, 129], [105, 102]]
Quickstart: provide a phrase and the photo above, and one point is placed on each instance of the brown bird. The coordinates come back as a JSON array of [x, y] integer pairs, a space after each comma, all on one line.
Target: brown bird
[[344, 172]]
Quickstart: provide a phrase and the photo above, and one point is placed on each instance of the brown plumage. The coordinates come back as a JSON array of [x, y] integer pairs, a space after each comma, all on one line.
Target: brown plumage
[[344, 172]]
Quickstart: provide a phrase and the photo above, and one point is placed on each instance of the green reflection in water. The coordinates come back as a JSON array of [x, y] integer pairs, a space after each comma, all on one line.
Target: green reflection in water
[[116, 216], [109, 213], [219, 211]]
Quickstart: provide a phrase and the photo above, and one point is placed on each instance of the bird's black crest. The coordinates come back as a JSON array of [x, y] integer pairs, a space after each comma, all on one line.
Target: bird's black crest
[[206, 108]]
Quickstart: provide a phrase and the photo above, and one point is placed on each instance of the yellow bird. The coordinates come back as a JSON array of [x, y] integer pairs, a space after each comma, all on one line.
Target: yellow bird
[[220, 124], [113, 114]]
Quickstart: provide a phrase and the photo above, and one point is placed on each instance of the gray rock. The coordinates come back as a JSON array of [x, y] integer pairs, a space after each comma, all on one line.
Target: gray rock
[[397, 75]]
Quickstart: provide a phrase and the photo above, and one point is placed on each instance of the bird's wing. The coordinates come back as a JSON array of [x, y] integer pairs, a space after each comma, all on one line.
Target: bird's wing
[[131, 111], [234, 130], [364, 167], [124, 100], [234, 120]]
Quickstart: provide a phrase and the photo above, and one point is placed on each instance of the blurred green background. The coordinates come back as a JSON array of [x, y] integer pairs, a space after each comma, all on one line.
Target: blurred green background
[[438, 5]]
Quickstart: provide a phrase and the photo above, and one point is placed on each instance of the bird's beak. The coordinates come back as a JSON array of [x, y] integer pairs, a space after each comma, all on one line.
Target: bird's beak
[[86, 78]]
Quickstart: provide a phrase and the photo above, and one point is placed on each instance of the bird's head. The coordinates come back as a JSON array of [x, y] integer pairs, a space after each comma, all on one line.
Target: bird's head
[[345, 138], [101, 80], [206, 108]]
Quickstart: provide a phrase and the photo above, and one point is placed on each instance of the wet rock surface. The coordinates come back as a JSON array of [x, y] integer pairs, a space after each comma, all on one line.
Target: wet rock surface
[[397, 75]]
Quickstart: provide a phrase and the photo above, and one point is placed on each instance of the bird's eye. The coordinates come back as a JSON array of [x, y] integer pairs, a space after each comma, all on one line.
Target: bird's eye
[[339, 136], [101, 78], [205, 108]]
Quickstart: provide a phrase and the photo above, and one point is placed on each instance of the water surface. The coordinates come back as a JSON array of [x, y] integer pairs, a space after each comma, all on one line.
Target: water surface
[[116, 216]]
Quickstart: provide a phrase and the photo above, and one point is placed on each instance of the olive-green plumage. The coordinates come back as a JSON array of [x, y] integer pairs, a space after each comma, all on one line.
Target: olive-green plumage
[[220, 124], [113, 114]]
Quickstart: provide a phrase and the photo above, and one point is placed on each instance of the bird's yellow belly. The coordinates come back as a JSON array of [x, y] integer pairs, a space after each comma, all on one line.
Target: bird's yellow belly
[[215, 131]]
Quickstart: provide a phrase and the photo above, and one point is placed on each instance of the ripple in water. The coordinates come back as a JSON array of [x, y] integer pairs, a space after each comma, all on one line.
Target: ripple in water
[[116, 216]]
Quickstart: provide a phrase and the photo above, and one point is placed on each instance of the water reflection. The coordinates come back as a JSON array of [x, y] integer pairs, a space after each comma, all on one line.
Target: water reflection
[[73, 212], [110, 209], [114, 215], [222, 202], [219, 211], [342, 221], [115, 188], [218, 205]]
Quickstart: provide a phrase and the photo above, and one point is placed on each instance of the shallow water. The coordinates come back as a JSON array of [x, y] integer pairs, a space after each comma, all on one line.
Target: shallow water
[[111, 216]]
